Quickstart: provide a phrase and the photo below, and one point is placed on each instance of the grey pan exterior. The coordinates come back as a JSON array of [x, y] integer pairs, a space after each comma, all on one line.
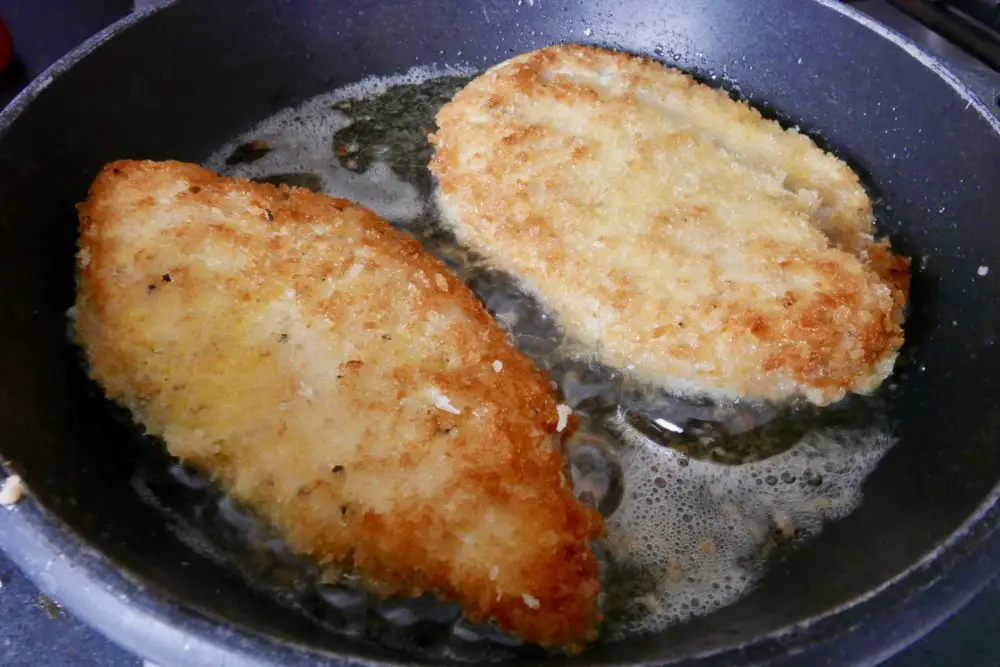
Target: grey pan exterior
[[174, 81]]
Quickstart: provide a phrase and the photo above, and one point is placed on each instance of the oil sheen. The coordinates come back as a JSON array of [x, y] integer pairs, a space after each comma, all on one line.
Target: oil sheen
[[696, 495]]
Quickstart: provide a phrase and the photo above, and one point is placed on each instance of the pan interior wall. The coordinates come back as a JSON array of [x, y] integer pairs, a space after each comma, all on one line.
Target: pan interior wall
[[191, 75]]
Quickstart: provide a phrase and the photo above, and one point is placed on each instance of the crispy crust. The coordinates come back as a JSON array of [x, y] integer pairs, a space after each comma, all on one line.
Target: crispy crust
[[672, 229], [312, 358]]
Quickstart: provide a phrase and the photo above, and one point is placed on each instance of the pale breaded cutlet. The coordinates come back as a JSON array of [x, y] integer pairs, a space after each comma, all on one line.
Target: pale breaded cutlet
[[672, 230], [337, 379]]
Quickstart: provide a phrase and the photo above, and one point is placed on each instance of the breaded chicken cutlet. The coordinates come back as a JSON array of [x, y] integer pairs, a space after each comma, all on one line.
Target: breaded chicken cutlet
[[670, 229], [341, 382]]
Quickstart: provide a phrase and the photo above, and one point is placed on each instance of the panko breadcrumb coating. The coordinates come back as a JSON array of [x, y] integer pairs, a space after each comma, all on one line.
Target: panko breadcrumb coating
[[338, 380], [670, 229]]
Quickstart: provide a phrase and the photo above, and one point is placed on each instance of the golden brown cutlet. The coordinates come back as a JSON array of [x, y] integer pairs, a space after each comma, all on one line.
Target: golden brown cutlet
[[670, 229], [334, 377]]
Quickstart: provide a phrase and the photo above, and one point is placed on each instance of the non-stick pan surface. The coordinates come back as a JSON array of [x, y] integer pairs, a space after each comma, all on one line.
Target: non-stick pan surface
[[179, 81]]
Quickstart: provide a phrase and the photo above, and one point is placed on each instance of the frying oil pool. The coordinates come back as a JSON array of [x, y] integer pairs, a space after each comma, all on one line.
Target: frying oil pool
[[695, 495]]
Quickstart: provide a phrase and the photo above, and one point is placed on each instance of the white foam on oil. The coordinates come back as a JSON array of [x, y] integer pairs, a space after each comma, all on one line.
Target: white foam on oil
[[694, 534], [685, 536], [300, 140]]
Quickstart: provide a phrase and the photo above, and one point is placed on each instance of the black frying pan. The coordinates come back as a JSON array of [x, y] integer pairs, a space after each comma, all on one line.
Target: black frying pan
[[177, 82]]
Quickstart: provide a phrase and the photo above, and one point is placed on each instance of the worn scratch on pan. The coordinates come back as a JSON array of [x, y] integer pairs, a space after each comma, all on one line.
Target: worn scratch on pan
[[486, 16], [925, 58]]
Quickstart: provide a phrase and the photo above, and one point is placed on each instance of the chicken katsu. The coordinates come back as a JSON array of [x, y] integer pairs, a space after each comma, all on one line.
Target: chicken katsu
[[672, 230], [340, 382]]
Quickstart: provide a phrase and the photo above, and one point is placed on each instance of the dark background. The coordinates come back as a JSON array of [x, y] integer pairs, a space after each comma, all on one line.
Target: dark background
[[35, 632]]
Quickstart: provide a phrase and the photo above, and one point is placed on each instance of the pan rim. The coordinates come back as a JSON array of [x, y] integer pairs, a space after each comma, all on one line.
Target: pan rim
[[932, 62], [14, 108], [37, 540]]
